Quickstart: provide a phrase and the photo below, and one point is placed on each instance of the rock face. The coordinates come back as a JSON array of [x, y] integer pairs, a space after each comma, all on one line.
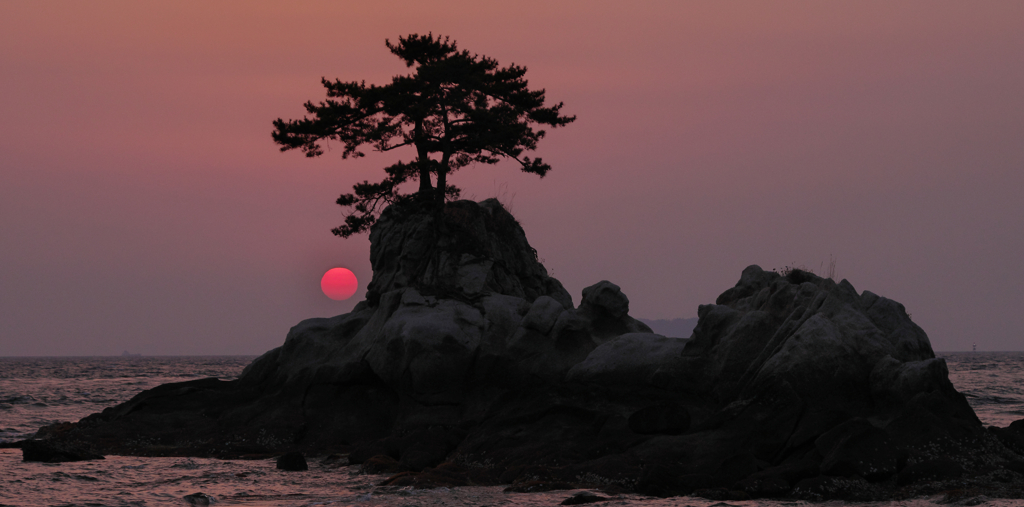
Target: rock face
[[470, 250], [292, 462], [49, 451], [468, 364]]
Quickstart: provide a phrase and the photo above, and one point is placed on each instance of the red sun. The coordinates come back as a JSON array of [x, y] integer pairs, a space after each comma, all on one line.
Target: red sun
[[339, 283]]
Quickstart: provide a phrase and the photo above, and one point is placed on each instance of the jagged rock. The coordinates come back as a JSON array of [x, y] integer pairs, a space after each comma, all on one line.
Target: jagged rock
[[835, 488], [292, 462], [428, 351], [423, 455], [896, 382], [199, 499], [543, 314], [335, 460], [1012, 436], [469, 249], [633, 359], [429, 478], [856, 447], [663, 418], [605, 299], [426, 448], [778, 480], [584, 497], [931, 470], [382, 464], [50, 451], [468, 364], [607, 309], [55, 430], [1014, 466], [366, 450]]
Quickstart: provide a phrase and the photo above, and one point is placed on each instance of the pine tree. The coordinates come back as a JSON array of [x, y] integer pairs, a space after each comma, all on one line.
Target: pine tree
[[456, 109]]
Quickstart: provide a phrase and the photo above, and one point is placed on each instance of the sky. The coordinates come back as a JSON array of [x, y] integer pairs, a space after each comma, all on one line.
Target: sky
[[145, 208]]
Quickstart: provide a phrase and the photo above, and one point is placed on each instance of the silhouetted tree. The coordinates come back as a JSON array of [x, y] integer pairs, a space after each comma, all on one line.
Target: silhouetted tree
[[456, 109]]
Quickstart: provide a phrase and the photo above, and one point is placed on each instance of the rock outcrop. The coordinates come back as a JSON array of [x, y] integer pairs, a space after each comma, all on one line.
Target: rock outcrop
[[292, 462], [469, 250], [55, 451], [468, 364]]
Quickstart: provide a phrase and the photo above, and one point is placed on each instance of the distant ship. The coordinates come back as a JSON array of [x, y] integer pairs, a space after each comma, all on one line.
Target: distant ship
[[129, 354], [974, 348]]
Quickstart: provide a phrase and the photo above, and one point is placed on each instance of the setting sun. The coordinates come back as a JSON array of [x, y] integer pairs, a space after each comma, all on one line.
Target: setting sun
[[339, 283]]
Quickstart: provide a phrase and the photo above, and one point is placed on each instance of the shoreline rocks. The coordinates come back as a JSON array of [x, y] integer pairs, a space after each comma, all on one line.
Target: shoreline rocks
[[468, 364], [53, 451], [292, 462]]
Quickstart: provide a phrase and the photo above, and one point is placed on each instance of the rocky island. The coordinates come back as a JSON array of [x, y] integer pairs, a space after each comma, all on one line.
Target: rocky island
[[468, 365]]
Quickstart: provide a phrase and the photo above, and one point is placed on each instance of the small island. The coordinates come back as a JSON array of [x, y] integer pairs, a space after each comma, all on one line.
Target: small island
[[468, 365]]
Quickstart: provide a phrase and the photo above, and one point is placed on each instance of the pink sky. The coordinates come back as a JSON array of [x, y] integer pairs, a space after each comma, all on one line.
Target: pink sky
[[144, 206]]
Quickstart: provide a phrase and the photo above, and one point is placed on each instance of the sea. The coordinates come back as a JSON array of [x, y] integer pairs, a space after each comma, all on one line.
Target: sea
[[36, 391]]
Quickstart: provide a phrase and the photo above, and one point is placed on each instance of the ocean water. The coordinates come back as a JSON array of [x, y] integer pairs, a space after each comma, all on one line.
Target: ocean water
[[39, 391], [993, 383], [36, 391]]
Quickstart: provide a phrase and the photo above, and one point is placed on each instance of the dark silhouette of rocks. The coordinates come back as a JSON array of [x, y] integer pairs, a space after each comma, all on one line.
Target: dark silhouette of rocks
[[56, 451], [472, 250], [584, 497], [382, 464], [931, 470], [663, 418], [468, 364], [1011, 436], [292, 462], [199, 499]]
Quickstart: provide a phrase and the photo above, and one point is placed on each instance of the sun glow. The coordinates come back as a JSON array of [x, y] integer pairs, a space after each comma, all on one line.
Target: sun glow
[[339, 284]]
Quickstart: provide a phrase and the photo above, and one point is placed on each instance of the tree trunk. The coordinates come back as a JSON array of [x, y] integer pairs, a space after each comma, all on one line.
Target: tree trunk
[[423, 159], [426, 189], [442, 179], [442, 184]]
